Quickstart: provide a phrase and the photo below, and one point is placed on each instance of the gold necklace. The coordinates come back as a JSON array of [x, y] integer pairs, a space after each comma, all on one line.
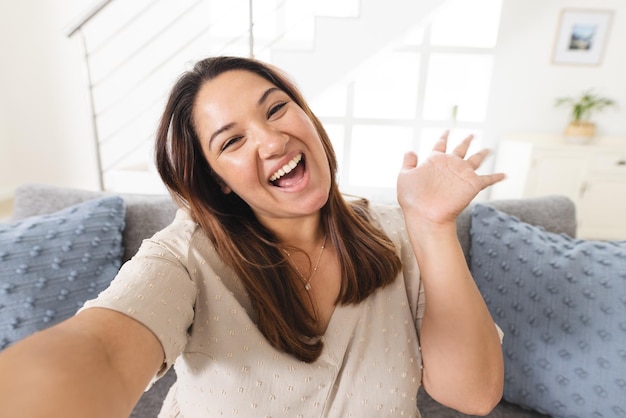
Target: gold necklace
[[307, 282]]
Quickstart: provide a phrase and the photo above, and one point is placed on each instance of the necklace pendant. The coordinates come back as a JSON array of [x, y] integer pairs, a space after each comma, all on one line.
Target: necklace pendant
[[307, 283]]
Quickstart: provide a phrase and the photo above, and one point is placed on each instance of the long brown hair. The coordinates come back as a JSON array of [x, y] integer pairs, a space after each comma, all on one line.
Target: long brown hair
[[367, 257]]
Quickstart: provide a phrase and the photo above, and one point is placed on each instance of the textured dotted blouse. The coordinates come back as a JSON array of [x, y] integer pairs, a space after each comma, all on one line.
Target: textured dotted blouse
[[179, 288]]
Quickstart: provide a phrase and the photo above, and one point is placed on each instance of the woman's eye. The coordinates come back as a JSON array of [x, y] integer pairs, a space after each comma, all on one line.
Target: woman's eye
[[230, 142], [276, 108]]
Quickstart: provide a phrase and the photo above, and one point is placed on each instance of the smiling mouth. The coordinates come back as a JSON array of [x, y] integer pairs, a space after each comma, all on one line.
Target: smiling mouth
[[287, 173]]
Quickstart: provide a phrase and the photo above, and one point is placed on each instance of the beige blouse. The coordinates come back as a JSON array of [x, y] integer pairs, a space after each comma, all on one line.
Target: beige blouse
[[179, 288]]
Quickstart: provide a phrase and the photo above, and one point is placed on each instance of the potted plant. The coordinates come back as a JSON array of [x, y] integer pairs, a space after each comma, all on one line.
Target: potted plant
[[580, 128]]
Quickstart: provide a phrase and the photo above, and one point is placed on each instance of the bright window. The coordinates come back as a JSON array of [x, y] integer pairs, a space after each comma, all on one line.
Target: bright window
[[437, 79], [386, 88], [457, 87], [376, 154]]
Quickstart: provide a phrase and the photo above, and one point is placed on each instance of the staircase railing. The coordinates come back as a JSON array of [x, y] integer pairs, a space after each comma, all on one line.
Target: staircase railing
[[90, 14], [125, 96], [74, 29]]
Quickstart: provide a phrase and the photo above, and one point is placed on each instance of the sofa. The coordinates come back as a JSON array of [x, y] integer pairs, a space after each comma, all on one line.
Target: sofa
[[547, 221]]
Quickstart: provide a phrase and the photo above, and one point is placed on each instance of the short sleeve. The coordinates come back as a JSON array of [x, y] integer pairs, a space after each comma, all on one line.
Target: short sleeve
[[154, 288]]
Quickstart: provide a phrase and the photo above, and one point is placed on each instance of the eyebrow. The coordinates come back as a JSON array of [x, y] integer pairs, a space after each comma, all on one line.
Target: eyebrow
[[219, 131], [266, 95], [228, 126]]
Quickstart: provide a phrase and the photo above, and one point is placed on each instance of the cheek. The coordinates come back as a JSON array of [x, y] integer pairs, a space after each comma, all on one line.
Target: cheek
[[235, 173]]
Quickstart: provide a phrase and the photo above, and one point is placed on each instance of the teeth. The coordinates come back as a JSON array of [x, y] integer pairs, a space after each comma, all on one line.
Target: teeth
[[286, 168]]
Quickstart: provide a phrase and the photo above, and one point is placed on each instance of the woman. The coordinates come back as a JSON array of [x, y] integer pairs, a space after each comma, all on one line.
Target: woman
[[274, 295]]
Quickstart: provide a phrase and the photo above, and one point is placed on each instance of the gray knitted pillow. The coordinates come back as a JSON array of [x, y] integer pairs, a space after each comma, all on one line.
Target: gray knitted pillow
[[51, 264], [562, 305]]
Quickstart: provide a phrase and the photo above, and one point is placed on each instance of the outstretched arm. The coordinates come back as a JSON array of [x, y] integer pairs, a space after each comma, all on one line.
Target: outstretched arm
[[463, 366], [95, 364]]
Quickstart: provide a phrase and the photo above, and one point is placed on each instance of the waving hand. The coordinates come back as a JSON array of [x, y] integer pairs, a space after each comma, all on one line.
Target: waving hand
[[439, 188]]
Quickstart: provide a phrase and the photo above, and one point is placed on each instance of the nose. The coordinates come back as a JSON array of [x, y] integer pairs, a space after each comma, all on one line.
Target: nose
[[270, 142]]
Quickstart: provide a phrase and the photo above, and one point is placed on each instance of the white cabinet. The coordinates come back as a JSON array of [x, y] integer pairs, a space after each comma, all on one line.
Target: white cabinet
[[592, 175]]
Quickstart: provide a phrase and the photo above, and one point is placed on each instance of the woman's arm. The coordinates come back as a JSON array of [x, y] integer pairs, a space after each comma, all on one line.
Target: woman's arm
[[463, 366], [95, 364]]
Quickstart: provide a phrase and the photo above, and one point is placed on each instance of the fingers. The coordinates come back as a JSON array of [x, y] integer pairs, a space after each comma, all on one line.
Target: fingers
[[489, 179], [477, 159], [461, 149], [410, 161], [442, 143]]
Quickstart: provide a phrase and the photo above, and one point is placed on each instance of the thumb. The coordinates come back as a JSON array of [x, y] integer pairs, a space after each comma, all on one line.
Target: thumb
[[410, 160]]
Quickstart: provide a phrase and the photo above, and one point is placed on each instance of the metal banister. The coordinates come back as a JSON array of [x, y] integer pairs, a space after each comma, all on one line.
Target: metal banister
[[87, 17]]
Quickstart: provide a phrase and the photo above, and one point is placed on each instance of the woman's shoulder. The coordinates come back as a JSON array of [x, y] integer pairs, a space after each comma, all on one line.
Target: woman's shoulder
[[176, 238], [385, 209], [388, 216], [374, 209], [182, 227]]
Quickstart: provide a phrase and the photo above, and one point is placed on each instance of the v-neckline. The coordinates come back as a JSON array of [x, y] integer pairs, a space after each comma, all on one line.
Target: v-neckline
[[339, 332]]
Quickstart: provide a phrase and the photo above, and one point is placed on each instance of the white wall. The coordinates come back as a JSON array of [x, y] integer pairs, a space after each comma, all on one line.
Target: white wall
[[526, 83], [45, 131]]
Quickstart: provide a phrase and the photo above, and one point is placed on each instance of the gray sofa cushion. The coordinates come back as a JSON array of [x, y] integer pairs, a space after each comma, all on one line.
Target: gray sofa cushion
[[145, 214], [51, 264], [429, 408], [562, 305], [553, 213]]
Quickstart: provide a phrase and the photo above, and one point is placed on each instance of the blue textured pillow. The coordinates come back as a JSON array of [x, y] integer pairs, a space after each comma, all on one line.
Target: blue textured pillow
[[51, 264], [562, 305]]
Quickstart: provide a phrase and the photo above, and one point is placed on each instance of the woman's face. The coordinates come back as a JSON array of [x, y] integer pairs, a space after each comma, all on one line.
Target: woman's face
[[262, 145]]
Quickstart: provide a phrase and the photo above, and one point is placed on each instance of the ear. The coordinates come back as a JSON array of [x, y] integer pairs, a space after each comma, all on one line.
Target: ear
[[225, 188]]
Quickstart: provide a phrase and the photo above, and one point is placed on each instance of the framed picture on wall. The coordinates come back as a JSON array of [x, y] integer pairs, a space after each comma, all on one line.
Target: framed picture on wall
[[582, 36]]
